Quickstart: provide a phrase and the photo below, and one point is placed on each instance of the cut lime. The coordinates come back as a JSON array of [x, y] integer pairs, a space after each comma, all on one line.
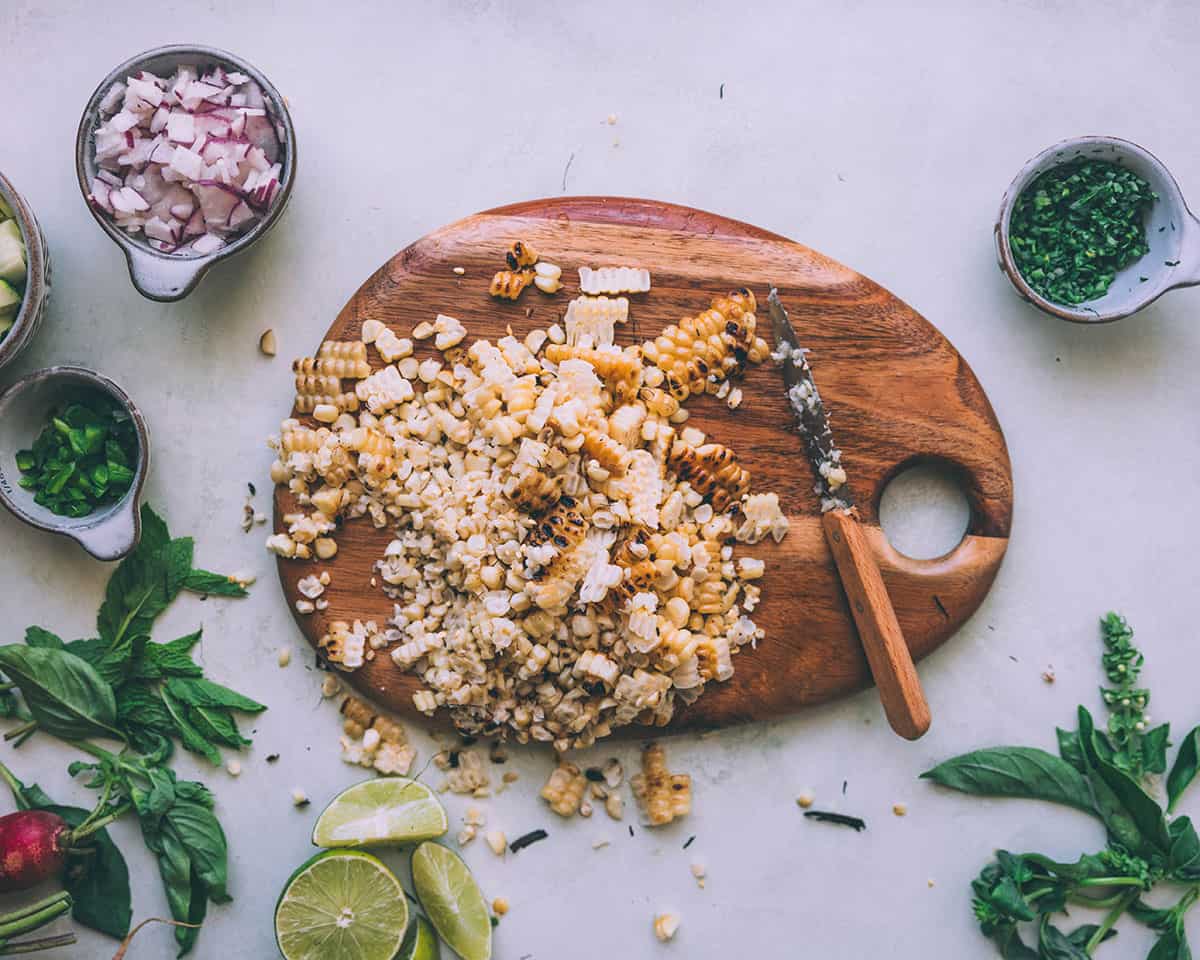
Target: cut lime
[[386, 810], [341, 905], [421, 942], [452, 901]]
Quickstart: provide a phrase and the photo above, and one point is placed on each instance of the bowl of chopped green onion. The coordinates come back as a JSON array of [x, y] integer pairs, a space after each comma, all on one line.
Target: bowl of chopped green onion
[[1094, 229], [74, 453]]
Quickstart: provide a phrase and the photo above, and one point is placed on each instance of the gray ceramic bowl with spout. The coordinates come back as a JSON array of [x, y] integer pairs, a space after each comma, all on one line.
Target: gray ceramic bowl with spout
[[165, 276], [37, 278], [108, 533]]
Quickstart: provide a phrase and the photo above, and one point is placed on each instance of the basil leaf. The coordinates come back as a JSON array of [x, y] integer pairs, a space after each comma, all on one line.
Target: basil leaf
[[189, 736], [217, 725], [1053, 944], [1172, 945], [1070, 750], [40, 637], [186, 936], [1184, 860], [1142, 811], [1015, 772], [213, 584], [1183, 771], [1086, 867], [1153, 917], [201, 834], [98, 882], [1084, 933], [1154, 749], [205, 693], [64, 694]]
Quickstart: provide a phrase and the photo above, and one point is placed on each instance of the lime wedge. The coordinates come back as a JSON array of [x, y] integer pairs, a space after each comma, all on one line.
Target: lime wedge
[[421, 942], [341, 904], [452, 901], [386, 810]]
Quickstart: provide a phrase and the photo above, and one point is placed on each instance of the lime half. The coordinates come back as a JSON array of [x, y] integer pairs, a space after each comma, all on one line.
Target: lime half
[[421, 942], [386, 810], [341, 904], [452, 901]]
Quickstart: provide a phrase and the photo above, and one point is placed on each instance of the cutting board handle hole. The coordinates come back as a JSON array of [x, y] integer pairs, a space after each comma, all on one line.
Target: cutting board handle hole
[[924, 510]]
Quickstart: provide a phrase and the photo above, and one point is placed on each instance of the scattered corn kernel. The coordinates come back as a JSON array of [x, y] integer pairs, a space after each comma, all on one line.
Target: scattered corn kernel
[[267, 343], [285, 656], [500, 906], [665, 926], [497, 842], [234, 768], [805, 800], [899, 809]]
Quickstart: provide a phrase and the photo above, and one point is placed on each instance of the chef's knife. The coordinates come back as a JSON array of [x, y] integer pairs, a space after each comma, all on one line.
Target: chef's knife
[[878, 629]]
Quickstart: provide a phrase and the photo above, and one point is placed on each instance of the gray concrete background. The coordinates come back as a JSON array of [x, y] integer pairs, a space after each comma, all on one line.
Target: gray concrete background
[[882, 134]]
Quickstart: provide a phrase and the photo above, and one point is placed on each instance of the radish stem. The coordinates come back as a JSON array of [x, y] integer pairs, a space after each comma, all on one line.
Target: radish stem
[[38, 915], [87, 829], [124, 948]]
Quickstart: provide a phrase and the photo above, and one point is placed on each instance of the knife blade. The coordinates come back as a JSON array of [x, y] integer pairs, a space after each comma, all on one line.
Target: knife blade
[[878, 628], [806, 404]]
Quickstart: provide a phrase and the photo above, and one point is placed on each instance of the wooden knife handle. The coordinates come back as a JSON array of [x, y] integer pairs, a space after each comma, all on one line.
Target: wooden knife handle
[[878, 629]]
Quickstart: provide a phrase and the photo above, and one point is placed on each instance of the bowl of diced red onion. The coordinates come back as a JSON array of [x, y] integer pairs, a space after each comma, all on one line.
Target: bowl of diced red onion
[[185, 156]]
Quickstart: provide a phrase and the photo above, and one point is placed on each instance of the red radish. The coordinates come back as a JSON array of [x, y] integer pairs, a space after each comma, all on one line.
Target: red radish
[[33, 848]]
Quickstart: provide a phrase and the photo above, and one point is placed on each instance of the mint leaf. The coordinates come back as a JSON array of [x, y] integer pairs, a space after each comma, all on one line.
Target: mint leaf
[[205, 693], [169, 659], [191, 738], [217, 725], [213, 584], [177, 561]]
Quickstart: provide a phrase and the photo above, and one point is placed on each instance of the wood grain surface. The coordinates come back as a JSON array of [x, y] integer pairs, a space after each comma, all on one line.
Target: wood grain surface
[[897, 393]]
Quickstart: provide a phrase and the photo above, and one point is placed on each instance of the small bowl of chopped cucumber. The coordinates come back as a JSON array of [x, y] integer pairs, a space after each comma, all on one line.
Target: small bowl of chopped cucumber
[[24, 273], [1093, 229], [74, 454]]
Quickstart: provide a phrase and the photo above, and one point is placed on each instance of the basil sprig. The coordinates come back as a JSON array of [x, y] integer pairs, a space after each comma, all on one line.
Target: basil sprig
[[1101, 772]]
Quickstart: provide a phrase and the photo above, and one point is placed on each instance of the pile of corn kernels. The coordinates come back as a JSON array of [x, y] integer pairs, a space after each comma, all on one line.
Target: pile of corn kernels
[[562, 554]]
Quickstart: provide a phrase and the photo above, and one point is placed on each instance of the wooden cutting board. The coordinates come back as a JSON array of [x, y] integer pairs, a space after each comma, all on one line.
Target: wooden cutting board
[[896, 390]]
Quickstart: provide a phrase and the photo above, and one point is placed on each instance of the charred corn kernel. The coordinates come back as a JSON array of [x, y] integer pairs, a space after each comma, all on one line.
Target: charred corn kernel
[[614, 280], [899, 809], [677, 611], [805, 800], [330, 686], [664, 796], [534, 491], [267, 343], [705, 349], [666, 925], [713, 471], [611, 455], [564, 789], [658, 401], [325, 548], [508, 284], [299, 797], [614, 806], [563, 525], [621, 371], [520, 254]]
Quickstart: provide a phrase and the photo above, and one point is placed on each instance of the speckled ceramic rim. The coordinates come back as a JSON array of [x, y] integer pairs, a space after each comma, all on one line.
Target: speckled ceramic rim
[[110, 533], [37, 280], [1174, 261], [156, 275]]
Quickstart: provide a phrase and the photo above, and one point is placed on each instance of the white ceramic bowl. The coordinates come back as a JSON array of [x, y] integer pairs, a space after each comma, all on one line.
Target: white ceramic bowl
[[37, 279], [164, 276], [1172, 231], [110, 532]]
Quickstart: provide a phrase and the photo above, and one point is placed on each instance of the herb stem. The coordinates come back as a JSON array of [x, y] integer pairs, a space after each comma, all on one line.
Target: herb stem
[[1111, 918], [86, 830], [22, 912], [34, 946], [1111, 882], [21, 730]]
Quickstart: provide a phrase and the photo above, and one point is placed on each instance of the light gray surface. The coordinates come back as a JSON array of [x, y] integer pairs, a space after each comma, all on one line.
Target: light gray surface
[[882, 134]]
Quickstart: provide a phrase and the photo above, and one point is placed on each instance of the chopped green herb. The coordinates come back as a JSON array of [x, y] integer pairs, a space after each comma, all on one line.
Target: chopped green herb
[[1076, 225], [81, 460]]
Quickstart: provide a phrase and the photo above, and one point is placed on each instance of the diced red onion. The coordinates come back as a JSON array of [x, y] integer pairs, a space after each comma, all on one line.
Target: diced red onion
[[190, 161]]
